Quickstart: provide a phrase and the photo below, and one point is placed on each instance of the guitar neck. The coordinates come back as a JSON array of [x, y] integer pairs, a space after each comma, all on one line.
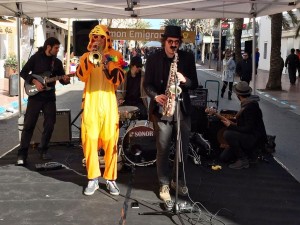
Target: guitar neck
[[219, 116], [52, 79]]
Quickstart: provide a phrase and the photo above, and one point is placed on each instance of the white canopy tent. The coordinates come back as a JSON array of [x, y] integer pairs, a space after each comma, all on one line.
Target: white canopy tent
[[146, 9]]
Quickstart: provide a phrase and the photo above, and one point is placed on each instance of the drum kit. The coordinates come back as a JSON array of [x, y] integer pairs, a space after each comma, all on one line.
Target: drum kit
[[136, 144], [136, 140]]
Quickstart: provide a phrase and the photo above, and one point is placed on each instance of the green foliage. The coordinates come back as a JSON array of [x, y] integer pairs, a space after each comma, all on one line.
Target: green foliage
[[11, 61]]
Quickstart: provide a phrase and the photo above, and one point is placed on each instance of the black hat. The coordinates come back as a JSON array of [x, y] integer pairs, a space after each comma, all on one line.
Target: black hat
[[242, 88], [172, 31], [136, 61]]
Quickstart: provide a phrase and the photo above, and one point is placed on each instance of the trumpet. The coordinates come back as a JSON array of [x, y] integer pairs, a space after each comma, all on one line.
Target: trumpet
[[95, 57]]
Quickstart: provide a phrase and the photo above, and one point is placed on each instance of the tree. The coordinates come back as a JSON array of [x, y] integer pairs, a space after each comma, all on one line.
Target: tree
[[274, 81], [278, 22], [237, 33]]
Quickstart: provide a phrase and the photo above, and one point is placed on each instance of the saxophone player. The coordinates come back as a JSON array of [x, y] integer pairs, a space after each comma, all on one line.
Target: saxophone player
[[160, 68]]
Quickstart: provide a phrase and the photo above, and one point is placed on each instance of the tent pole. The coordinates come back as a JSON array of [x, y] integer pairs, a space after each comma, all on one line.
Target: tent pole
[[19, 63], [68, 49], [253, 54]]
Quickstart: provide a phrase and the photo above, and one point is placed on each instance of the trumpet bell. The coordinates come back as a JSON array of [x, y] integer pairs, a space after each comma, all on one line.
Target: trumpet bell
[[95, 58]]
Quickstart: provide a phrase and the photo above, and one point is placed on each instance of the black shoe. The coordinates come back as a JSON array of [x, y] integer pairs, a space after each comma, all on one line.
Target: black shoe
[[46, 156], [21, 161]]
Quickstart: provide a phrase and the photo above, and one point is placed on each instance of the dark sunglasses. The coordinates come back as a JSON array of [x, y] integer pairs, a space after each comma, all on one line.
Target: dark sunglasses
[[170, 42], [95, 36]]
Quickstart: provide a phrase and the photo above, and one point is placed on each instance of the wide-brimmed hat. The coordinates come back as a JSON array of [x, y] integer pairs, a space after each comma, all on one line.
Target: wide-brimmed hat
[[172, 31], [242, 88], [136, 61]]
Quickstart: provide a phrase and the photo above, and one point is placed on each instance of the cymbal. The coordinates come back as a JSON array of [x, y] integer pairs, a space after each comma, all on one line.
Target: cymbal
[[120, 91]]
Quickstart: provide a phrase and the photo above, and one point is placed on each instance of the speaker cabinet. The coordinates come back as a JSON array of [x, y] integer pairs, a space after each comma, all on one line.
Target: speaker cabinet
[[198, 115], [81, 30], [62, 129]]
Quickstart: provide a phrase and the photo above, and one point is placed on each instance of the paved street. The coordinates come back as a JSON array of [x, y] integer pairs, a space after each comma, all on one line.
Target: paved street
[[281, 119], [227, 195]]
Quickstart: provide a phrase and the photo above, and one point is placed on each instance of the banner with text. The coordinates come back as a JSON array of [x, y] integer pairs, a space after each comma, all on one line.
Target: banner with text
[[146, 35]]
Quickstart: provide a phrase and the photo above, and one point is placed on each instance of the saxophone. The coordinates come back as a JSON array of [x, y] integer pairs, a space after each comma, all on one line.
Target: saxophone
[[172, 89]]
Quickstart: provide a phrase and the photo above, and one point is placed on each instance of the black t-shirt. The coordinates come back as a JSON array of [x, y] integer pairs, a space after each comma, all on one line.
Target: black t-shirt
[[133, 91], [40, 64]]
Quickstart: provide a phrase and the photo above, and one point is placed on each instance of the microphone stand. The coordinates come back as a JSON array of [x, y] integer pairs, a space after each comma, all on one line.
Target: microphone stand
[[176, 210]]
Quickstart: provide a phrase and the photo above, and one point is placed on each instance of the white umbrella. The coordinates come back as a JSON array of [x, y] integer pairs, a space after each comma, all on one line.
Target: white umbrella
[[156, 44]]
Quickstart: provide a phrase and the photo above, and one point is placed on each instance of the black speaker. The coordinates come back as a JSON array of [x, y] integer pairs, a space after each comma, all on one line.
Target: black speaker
[[81, 30], [198, 115], [62, 129]]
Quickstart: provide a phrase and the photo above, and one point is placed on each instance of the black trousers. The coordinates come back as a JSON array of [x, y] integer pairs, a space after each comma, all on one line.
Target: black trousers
[[241, 145], [292, 74], [225, 83], [31, 116], [164, 132]]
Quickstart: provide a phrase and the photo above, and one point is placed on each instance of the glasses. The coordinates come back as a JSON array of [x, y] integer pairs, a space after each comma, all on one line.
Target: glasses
[[245, 55], [170, 42], [97, 37]]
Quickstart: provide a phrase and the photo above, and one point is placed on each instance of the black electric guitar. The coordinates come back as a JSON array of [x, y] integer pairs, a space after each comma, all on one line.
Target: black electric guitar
[[45, 78]]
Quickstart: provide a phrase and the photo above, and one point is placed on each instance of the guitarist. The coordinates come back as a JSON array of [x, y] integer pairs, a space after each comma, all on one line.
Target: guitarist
[[244, 136], [44, 60]]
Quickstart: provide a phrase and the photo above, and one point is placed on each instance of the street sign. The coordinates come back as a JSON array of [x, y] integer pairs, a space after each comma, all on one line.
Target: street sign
[[225, 26]]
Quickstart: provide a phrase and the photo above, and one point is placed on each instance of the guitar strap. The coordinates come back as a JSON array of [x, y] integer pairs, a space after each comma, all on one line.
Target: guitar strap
[[52, 64]]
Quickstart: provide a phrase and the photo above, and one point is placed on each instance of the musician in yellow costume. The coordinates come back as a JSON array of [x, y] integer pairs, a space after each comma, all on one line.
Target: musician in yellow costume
[[102, 70]]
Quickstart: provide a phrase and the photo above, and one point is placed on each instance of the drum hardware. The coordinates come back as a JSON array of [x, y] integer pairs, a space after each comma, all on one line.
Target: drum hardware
[[128, 113]]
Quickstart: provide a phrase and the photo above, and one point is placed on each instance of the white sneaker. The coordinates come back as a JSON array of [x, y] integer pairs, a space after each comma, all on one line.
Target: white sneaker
[[112, 187], [92, 186]]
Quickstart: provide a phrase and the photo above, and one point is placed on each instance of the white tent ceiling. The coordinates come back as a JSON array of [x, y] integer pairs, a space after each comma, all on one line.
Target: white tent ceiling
[[148, 9]]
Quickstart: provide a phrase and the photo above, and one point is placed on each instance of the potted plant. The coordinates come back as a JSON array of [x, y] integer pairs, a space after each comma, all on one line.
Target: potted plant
[[10, 65]]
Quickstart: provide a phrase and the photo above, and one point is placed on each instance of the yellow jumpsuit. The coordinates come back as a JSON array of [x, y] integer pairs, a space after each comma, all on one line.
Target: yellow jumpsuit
[[100, 118]]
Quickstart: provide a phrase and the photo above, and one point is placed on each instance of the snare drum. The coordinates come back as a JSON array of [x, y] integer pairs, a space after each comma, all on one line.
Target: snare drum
[[128, 113], [138, 144]]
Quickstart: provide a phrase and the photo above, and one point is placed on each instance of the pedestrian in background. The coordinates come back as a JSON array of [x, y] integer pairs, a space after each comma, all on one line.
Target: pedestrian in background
[[244, 68], [292, 63], [257, 55], [228, 73]]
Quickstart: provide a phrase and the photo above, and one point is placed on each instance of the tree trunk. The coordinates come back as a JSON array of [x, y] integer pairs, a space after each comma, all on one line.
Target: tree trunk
[[274, 82], [237, 32]]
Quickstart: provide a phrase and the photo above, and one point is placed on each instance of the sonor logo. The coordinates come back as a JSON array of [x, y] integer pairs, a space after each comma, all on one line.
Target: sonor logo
[[148, 133]]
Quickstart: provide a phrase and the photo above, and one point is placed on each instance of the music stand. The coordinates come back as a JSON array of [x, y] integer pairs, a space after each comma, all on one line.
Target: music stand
[[176, 210]]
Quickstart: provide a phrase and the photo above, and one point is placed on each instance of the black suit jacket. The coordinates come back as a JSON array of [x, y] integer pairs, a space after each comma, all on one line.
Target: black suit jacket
[[157, 74]]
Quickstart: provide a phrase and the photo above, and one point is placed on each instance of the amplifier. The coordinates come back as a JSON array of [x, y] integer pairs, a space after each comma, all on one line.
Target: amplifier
[[198, 97], [62, 128]]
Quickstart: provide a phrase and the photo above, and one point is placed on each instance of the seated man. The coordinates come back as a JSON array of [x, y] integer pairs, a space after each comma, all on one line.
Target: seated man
[[131, 92], [244, 136]]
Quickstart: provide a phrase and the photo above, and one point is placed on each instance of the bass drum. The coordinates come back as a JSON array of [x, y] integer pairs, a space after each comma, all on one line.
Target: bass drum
[[138, 144]]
